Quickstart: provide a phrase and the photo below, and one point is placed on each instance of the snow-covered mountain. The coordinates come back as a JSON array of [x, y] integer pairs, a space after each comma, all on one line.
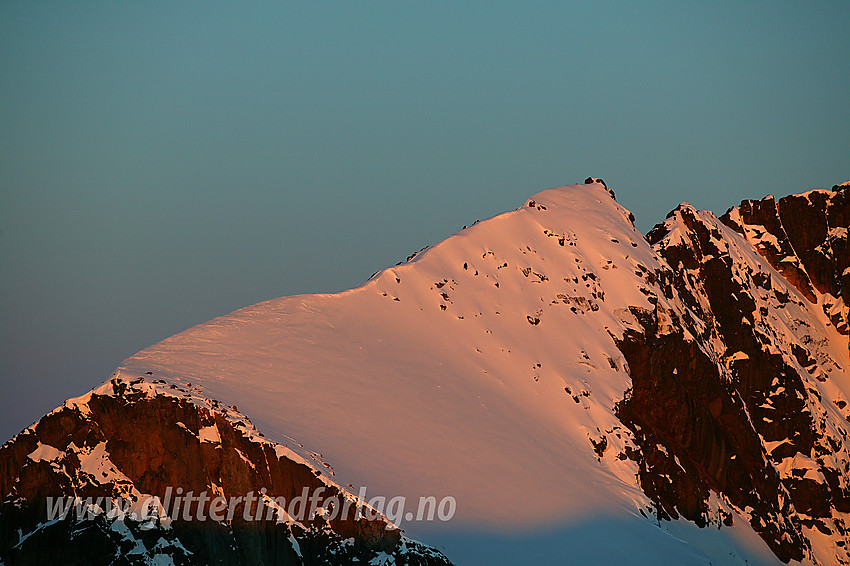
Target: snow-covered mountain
[[578, 390]]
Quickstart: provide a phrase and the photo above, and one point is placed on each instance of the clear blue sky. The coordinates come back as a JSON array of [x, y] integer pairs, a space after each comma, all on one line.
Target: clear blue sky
[[162, 163]]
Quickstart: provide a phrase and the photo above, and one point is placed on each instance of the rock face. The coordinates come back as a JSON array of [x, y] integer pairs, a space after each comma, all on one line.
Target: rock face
[[129, 441], [712, 372], [740, 397], [804, 237]]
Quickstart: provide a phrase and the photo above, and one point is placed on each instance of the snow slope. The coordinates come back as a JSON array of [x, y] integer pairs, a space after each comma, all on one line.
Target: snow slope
[[483, 369]]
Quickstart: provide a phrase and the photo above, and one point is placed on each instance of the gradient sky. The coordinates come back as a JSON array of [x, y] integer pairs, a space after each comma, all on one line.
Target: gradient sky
[[162, 163]]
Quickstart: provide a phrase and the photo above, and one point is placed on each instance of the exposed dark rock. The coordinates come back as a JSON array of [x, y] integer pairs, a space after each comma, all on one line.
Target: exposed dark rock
[[591, 180], [728, 395], [151, 443], [804, 237]]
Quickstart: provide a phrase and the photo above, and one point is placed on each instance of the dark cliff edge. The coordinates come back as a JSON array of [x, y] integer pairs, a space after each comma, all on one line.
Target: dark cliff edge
[[126, 440]]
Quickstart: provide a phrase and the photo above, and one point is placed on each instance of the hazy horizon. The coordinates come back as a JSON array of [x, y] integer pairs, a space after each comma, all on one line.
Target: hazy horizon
[[165, 164]]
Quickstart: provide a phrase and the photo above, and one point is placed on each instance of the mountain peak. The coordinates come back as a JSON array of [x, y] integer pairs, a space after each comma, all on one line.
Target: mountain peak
[[699, 372]]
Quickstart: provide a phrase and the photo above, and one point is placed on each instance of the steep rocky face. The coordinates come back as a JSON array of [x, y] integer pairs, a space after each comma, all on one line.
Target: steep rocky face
[[129, 441], [695, 436], [804, 237], [750, 402]]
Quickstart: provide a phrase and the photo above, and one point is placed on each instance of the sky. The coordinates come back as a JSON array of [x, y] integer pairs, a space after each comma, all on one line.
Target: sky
[[163, 163]]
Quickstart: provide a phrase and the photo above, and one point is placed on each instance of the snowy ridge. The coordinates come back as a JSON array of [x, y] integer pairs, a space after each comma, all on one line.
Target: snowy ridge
[[486, 368], [550, 367], [495, 337]]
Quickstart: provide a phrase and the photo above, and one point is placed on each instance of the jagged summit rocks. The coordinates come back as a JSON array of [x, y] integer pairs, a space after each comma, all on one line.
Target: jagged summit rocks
[[697, 374], [804, 237], [591, 180]]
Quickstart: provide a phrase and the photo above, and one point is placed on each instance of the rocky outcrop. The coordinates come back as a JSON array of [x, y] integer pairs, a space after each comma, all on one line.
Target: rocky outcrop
[[130, 441], [804, 237], [744, 403]]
